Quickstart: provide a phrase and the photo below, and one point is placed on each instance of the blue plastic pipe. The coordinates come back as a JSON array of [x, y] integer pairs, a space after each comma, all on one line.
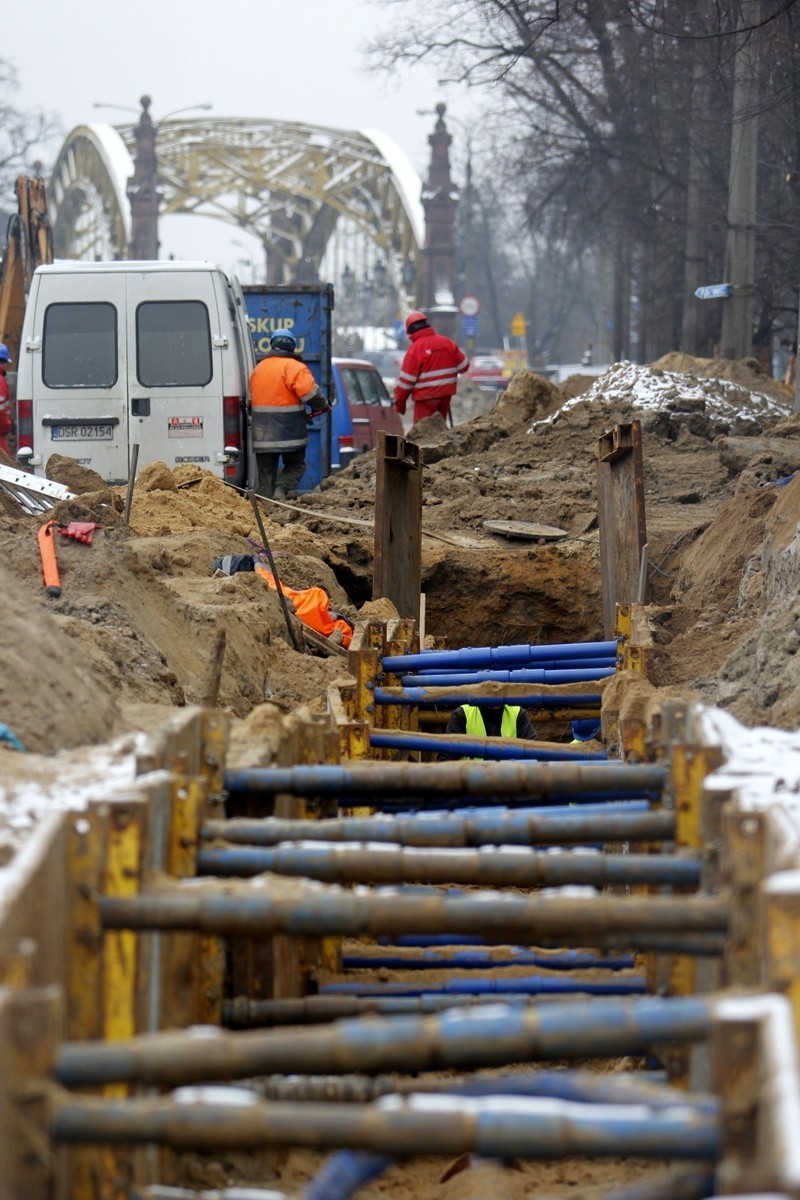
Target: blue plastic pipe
[[468, 679], [471, 658], [441, 744], [525, 985], [423, 695], [467, 960], [551, 664], [345, 1173]]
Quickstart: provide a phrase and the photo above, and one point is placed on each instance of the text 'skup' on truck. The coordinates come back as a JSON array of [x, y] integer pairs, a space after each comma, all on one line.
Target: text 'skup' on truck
[[305, 310], [121, 353]]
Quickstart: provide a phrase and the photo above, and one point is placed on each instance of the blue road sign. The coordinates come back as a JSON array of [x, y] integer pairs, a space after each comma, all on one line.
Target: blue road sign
[[470, 326], [713, 291]]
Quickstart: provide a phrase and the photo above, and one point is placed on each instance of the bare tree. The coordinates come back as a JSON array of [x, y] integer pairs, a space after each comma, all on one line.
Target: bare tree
[[618, 131], [23, 135]]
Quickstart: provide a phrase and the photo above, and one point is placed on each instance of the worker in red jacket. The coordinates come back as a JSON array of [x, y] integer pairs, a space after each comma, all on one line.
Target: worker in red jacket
[[5, 401], [430, 370]]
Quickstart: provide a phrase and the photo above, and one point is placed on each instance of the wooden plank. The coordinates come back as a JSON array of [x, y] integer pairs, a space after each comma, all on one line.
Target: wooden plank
[[621, 517]]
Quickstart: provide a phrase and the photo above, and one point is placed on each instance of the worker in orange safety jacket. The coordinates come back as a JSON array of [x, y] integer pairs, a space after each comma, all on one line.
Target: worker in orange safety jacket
[[430, 370], [280, 387], [5, 401]]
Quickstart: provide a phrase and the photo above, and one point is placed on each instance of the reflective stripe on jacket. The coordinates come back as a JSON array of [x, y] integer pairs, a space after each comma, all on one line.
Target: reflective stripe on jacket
[[278, 387], [477, 728], [431, 367]]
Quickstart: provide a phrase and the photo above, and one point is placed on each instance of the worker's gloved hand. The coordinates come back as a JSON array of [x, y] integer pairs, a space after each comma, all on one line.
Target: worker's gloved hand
[[400, 406]]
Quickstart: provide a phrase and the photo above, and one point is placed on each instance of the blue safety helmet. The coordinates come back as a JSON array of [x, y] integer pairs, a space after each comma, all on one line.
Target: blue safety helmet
[[585, 730], [4, 353], [283, 339]]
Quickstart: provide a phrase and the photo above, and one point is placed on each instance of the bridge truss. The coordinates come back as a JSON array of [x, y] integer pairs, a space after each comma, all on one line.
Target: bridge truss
[[291, 185]]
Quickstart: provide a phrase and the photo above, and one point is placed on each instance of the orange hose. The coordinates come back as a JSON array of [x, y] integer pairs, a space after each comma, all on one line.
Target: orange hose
[[47, 549]]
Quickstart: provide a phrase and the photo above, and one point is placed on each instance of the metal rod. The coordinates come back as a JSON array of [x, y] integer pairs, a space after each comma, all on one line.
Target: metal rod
[[528, 985], [512, 693], [244, 1013], [467, 679], [351, 862], [581, 1087], [295, 640], [587, 823], [318, 910], [473, 658], [474, 779], [454, 803], [418, 1124], [430, 960], [568, 960], [460, 746], [642, 590], [126, 515], [488, 1036]]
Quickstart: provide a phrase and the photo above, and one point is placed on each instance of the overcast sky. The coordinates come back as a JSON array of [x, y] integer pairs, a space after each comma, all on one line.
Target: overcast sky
[[296, 61]]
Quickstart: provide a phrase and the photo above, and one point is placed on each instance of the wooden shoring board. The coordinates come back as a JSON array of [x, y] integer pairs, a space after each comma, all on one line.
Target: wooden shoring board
[[621, 516]]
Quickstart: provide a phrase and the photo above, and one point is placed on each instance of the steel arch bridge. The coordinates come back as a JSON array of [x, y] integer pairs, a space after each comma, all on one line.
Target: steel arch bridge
[[288, 183]]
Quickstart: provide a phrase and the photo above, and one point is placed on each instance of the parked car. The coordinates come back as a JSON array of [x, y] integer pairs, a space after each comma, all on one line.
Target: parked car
[[362, 407], [488, 372], [388, 363]]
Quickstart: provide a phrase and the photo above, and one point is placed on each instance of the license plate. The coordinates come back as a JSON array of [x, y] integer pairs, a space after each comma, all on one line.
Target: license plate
[[81, 433]]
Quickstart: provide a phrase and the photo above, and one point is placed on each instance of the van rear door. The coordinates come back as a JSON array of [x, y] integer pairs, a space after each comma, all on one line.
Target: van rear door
[[79, 373], [175, 368]]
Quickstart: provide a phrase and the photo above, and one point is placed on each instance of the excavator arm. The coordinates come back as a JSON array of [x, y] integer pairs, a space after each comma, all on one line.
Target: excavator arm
[[28, 245]]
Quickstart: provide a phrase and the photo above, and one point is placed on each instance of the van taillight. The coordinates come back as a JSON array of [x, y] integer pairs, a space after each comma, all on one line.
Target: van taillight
[[24, 428], [231, 431], [346, 440]]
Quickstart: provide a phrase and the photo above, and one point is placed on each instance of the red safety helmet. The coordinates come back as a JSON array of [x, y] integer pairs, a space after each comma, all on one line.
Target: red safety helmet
[[415, 321]]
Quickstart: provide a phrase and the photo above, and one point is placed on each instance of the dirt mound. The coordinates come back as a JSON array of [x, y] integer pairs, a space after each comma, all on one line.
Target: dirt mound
[[49, 695], [576, 385], [73, 475], [170, 502]]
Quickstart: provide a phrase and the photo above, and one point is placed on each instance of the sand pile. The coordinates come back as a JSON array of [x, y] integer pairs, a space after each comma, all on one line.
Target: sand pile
[[139, 613]]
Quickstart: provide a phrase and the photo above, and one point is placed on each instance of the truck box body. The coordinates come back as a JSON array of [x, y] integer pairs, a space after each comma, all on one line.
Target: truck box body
[[119, 353], [305, 310]]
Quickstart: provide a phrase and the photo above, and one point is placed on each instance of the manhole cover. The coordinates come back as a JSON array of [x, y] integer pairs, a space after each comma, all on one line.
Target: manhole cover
[[525, 529]]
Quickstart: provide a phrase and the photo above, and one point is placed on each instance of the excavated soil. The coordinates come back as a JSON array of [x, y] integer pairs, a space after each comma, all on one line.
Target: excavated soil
[[140, 608]]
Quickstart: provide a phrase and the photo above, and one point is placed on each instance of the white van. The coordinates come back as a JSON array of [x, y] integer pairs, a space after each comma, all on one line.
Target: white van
[[119, 353]]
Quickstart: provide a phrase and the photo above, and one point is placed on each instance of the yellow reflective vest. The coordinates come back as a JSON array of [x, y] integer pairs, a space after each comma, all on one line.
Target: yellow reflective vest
[[477, 728]]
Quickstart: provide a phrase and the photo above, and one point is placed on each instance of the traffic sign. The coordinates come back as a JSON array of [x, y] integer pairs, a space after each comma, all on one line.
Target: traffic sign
[[517, 325], [713, 291], [470, 306], [470, 326]]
